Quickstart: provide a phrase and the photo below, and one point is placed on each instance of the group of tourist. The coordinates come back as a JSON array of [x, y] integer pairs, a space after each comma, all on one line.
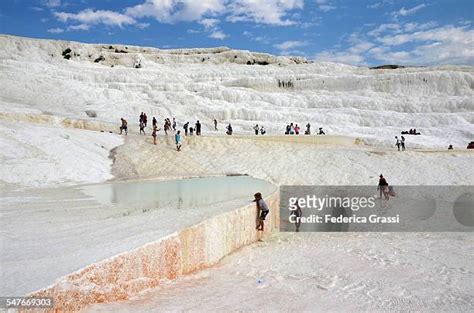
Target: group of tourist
[[411, 132], [171, 125], [291, 129], [400, 143], [142, 122], [259, 129], [295, 130], [189, 131], [385, 190]]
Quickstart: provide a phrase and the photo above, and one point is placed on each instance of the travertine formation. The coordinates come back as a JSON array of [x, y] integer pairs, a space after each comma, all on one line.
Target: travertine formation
[[186, 251]]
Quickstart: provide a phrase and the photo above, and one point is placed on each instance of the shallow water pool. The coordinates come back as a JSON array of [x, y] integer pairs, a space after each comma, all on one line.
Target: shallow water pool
[[178, 194], [48, 233]]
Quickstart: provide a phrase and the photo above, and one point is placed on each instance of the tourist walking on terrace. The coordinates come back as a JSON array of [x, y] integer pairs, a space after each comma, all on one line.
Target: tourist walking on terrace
[[142, 127], [198, 128], [167, 126], [215, 125], [383, 187], [124, 126], [154, 133], [398, 143], [178, 139], [145, 119], [154, 122], [174, 124], [256, 129], [262, 211], [402, 143], [185, 127]]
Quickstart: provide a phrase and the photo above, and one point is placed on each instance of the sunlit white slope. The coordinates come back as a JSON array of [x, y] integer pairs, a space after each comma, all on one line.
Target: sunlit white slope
[[234, 86]]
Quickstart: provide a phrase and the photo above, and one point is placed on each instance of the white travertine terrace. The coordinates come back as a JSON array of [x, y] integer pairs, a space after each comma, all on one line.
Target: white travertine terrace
[[186, 251]]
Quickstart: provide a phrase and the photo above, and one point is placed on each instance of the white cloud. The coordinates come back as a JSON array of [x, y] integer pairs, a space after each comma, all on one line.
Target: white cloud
[[290, 44], [210, 26], [272, 12], [290, 47], [324, 5], [52, 3], [172, 11], [352, 55], [383, 28], [261, 39], [376, 5], [395, 28], [79, 27], [55, 30], [379, 4], [405, 12], [411, 27], [209, 23], [361, 47], [442, 34], [143, 25], [441, 45], [89, 17], [219, 35], [415, 44], [195, 10]]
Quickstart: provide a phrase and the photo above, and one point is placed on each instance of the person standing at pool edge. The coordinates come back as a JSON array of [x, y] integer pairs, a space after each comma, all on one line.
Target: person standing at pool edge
[[178, 139], [262, 211]]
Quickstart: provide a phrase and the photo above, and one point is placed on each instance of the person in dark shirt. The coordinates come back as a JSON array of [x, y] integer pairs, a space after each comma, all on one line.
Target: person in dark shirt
[[198, 128], [124, 126], [383, 187], [262, 211], [185, 126]]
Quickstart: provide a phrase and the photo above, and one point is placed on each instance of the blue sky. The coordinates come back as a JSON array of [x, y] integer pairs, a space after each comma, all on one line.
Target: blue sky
[[360, 32]]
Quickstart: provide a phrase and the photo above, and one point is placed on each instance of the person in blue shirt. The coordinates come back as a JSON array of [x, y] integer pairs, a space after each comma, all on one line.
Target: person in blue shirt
[[178, 140]]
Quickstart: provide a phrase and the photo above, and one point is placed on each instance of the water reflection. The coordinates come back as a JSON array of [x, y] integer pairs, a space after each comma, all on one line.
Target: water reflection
[[177, 194]]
